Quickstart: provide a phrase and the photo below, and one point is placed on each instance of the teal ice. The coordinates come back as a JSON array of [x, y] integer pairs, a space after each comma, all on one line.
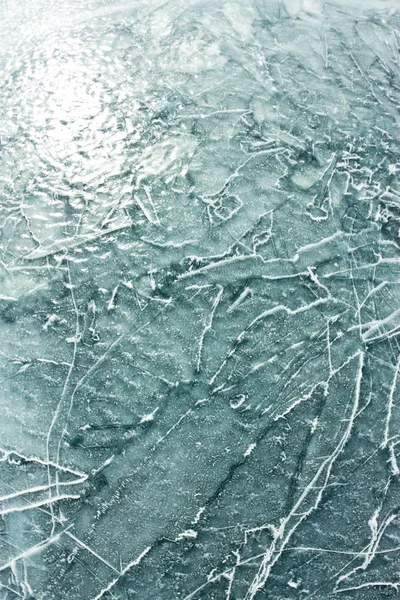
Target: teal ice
[[199, 300]]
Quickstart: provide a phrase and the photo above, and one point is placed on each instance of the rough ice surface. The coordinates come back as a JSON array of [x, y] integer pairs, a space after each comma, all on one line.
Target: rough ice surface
[[199, 244]]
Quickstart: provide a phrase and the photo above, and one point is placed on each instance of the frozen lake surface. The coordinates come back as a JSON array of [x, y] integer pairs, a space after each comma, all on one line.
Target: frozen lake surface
[[199, 300]]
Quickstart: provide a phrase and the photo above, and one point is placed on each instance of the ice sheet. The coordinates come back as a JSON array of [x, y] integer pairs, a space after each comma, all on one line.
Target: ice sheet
[[199, 300]]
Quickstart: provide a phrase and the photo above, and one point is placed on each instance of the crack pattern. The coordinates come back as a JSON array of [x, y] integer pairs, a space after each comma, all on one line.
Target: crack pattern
[[199, 300]]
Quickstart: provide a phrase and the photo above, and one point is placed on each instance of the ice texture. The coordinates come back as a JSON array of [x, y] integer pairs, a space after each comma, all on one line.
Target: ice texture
[[199, 300]]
